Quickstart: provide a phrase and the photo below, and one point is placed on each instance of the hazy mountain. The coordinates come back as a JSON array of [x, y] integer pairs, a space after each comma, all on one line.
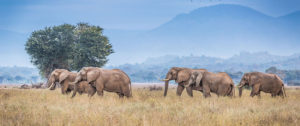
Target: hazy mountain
[[227, 29], [19, 75], [220, 30], [156, 67]]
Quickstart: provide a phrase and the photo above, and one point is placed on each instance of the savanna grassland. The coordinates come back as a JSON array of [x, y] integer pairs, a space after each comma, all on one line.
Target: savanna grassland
[[44, 107]]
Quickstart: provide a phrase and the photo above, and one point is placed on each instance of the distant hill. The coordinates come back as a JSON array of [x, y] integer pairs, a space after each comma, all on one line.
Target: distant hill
[[220, 30], [226, 29], [17, 75], [155, 68]]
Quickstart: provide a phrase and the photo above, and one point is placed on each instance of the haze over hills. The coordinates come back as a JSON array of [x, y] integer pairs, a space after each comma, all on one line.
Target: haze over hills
[[197, 39], [155, 68], [221, 30]]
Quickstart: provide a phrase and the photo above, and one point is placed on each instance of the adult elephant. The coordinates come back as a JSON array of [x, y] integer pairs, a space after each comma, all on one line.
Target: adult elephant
[[181, 76], [219, 83], [63, 77], [268, 83], [114, 80]]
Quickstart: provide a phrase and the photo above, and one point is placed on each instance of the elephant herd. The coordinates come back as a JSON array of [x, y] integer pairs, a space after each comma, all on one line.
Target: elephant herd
[[93, 79]]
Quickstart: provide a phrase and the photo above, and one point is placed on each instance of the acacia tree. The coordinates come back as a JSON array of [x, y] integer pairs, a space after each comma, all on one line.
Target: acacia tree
[[68, 47]]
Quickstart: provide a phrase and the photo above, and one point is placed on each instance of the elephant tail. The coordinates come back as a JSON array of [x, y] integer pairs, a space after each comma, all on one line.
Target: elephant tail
[[283, 90], [231, 90], [130, 88]]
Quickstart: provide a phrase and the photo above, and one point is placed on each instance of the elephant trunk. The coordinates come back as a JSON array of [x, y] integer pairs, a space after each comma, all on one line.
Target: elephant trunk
[[232, 90], [283, 91], [168, 78], [52, 86], [52, 83], [74, 91], [75, 83], [166, 87], [241, 89]]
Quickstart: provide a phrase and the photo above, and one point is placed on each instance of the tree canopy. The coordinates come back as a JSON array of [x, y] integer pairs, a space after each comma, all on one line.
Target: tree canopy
[[68, 47]]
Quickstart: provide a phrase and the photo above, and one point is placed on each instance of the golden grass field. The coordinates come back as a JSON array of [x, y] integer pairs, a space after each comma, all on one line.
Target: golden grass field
[[43, 107]]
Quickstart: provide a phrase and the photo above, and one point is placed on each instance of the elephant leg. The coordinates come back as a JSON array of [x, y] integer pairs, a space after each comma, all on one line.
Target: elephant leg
[[255, 90], [121, 95], [126, 91], [100, 93], [280, 94], [180, 88], [99, 87], [92, 92], [258, 94], [68, 91], [64, 87], [273, 95], [189, 91], [206, 91]]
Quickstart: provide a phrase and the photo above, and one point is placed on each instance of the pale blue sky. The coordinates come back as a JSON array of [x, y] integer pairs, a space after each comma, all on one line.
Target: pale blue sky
[[21, 17]]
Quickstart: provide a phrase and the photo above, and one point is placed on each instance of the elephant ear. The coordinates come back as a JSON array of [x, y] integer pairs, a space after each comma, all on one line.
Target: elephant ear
[[183, 75], [199, 78], [55, 73], [63, 76], [253, 80], [92, 75]]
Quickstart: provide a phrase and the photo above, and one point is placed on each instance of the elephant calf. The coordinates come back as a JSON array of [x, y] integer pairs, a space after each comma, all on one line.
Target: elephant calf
[[268, 83], [84, 87]]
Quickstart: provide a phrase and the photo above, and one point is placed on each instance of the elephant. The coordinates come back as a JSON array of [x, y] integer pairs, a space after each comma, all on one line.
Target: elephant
[[84, 87], [114, 80], [181, 76], [268, 83], [63, 77], [219, 83]]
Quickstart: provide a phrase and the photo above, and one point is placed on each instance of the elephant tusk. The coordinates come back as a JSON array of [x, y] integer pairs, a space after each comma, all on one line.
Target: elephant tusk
[[239, 86], [51, 85], [165, 80]]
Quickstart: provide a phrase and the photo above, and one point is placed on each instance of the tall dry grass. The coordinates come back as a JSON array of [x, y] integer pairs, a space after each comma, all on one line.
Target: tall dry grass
[[44, 107]]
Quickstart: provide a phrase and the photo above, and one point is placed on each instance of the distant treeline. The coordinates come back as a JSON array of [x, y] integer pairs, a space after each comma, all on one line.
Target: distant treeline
[[290, 77], [9, 75], [137, 73]]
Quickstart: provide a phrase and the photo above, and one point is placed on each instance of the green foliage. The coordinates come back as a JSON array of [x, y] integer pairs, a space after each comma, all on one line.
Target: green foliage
[[91, 47], [68, 47]]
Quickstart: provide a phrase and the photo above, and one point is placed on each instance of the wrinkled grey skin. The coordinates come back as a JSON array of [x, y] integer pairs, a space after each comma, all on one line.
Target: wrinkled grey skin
[[219, 83], [181, 76], [268, 83], [196, 78], [114, 80]]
